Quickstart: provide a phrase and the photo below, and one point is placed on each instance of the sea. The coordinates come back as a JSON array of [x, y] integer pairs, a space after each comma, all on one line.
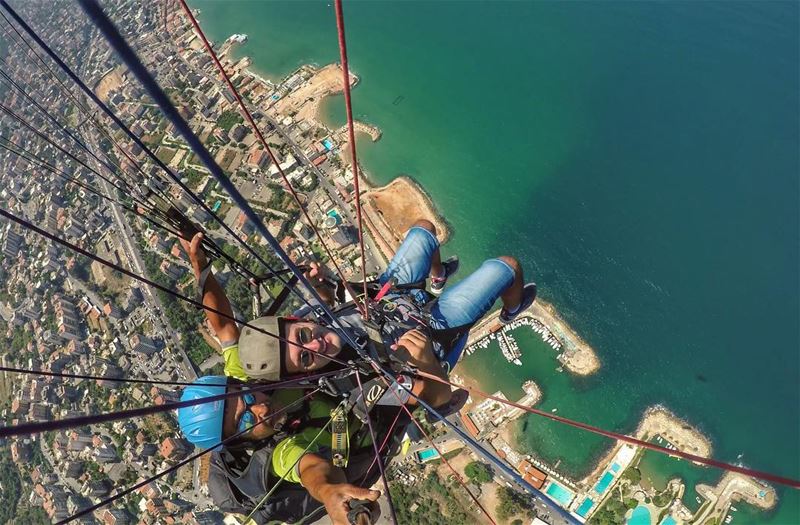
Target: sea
[[639, 158]]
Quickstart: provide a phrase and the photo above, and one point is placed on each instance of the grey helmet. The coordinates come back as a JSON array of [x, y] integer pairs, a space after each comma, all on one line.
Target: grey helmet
[[259, 353]]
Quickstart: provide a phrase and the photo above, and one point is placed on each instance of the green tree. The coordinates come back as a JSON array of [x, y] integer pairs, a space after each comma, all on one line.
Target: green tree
[[511, 503], [12, 486], [633, 474], [228, 119], [478, 472]]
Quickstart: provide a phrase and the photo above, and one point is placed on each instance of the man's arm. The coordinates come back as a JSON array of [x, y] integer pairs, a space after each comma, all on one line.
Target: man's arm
[[328, 484], [420, 355], [213, 294], [319, 277]]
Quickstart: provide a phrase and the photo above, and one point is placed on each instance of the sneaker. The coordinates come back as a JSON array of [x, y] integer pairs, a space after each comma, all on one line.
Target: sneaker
[[458, 399], [528, 296], [450, 267]]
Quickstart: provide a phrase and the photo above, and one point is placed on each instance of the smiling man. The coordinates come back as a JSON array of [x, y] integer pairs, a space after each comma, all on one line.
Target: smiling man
[[426, 329], [250, 465], [435, 322]]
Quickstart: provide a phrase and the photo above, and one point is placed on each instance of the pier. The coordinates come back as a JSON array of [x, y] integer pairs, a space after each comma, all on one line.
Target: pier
[[374, 132]]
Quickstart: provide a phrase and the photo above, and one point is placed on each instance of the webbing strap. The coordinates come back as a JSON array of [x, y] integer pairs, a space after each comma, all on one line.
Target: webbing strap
[[340, 437]]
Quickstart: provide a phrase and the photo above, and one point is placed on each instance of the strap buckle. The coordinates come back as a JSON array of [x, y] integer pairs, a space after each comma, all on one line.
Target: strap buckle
[[340, 437]]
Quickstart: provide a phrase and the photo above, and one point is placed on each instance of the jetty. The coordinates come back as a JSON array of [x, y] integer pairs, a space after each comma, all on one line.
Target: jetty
[[374, 132]]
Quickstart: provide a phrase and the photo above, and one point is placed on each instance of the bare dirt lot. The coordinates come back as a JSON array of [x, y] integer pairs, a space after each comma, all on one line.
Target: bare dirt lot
[[392, 209]]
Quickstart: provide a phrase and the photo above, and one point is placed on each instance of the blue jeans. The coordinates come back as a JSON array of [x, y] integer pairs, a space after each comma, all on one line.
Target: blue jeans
[[461, 304]]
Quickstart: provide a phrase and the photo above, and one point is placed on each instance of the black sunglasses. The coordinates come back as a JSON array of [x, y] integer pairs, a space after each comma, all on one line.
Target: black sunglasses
[[305, 335]]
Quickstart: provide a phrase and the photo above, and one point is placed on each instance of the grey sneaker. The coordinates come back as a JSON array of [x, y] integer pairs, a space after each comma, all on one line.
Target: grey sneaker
[[458, 399], [450, 268], [528, 296]]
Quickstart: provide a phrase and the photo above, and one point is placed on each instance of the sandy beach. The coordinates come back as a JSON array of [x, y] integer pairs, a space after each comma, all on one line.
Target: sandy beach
[[304, 101], [392, 209]]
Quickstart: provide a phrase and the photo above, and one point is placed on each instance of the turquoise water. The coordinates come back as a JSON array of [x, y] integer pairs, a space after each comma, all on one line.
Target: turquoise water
[[641, 160], [615, 467], [658, 469], [669, 520], [604, 482], [585, 507], [640, 516], [560, 493], [335, 215], [427, 454]]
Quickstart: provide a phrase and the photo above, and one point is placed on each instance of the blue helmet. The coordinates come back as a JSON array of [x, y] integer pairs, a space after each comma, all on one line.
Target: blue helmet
[[202, 424]]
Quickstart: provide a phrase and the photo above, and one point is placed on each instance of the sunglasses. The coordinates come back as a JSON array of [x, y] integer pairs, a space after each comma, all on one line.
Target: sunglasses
[[248, 419], [305, 335]]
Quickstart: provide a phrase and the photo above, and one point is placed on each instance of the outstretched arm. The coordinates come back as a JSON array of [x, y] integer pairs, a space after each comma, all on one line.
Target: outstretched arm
[[213, 294], [328, 485]]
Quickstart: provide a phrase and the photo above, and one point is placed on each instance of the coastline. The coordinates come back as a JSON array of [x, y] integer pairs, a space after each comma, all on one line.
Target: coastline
[[579, 357], [392, 209], [658, 420]]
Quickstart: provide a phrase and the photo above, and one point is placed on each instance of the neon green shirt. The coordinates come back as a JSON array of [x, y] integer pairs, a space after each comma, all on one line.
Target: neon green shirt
[[233, 366], [287, 453]]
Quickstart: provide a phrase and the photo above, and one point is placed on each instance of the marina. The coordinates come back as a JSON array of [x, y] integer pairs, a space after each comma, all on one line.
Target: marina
[[509, 346]]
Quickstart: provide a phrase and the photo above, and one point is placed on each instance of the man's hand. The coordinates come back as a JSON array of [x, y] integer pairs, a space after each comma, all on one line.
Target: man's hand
[[419, 349], [320, 278], [336, 496], [194, 249], [213, 295], [418, 345], [317, 273]]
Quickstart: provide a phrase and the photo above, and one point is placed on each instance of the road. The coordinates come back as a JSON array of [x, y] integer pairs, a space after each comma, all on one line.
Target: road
[[160, 322]]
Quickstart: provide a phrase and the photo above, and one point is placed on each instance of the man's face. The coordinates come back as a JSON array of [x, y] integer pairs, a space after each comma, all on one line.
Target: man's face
[[323, 342], [254, 411]]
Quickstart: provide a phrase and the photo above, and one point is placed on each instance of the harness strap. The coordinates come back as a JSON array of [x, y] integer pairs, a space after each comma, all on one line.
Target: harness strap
[[340, 437]]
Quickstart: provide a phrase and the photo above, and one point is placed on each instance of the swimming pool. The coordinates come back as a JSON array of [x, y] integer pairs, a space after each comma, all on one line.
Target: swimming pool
[[584, 508], [427, 454], [328, 144], [562, 495], [335, 215], [640, 516], [615, 468], [669, 520], [604, 482]]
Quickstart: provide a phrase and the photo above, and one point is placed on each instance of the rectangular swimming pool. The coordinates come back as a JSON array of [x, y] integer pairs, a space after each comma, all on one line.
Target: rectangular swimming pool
[[584, 508], [604, 482], [427, 454], [562, 495], [615, 468]]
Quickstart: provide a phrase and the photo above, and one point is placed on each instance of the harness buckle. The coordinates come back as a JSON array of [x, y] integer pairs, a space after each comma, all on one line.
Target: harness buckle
[[340, 437]]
